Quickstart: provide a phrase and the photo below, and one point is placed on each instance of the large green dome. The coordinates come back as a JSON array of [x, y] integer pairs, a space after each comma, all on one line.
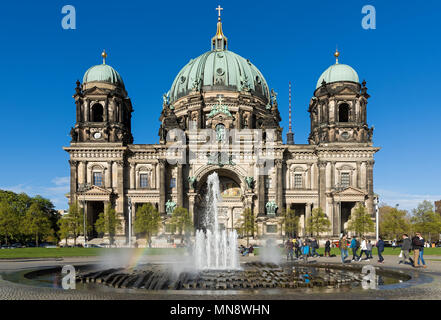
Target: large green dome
[[103, 73], [338, 72], [219, 70]]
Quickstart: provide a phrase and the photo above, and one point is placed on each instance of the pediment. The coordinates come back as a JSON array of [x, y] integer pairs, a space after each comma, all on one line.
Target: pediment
[[350, 191], [95, 190], [96, 91]]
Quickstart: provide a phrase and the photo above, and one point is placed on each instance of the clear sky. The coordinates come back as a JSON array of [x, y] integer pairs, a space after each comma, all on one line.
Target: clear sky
[[149, 42]]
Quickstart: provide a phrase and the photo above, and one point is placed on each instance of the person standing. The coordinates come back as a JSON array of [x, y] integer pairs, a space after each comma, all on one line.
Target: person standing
[[363, 248], [314, 247], [343, 248], [420, 256], [405, 249], [328, 248], [380, 247], [297, 248], [289, 247], [305, 249], [354, 246], [417, 245]]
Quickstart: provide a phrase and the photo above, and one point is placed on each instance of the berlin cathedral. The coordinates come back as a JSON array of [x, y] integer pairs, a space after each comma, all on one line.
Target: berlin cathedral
[[222, 92]]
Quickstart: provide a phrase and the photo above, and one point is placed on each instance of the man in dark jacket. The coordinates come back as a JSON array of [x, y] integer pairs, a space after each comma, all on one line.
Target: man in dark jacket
[[314, 247], [328, 248], [417, 245], [405, 248], [380, 247]]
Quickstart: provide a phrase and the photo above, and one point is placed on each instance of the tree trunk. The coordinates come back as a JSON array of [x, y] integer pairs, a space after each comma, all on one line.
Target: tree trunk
[[36, 239]]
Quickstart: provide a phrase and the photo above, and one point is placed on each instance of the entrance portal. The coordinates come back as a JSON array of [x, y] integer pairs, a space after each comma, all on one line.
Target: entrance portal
[[94, 208]]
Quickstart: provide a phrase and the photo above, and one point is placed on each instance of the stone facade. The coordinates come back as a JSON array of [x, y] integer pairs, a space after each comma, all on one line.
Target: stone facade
[[334, 171]]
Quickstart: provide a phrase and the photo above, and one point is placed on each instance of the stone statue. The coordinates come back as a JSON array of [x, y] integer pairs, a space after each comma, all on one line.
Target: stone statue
[[165, 99], [74, 135], [271, 207], [170, 207], [191, 182], [250, 182], [273, 97]]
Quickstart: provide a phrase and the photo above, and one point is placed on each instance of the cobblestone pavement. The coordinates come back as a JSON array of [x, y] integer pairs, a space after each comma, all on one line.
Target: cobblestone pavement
[[425, 284]]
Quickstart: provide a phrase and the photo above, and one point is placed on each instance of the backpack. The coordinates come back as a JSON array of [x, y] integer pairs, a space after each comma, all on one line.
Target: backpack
[[357, 244]]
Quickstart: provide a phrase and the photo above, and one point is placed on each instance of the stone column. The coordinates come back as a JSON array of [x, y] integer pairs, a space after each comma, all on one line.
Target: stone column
[[132, 176], [83, 172], [261, 190], [120, 190], [328, 178], [358, 174], [86, 110], [154, 176], [322, 184], [73, 180], [109, 175], [162, 186], [179, 186], [279, 186], [307, 214], [191, 197], [370, 186], [308, 176]]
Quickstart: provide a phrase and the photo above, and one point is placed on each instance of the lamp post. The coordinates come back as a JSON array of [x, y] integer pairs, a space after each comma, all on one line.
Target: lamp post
[[83, 188], [377, 222], [130, 222]]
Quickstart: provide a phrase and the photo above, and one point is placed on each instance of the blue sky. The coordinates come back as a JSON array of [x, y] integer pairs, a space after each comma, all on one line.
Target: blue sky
[[148, 43]]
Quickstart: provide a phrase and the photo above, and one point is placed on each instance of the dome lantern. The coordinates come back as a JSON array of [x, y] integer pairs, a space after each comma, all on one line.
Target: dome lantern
[[219, 42]]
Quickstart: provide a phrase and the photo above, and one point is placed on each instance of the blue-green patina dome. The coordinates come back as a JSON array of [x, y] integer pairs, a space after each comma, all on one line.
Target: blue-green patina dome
[[103, 73], [219, 70], [338, 72]]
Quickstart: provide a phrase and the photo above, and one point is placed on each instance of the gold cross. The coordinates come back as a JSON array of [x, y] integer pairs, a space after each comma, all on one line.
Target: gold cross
[[219, 10], [220, 100]]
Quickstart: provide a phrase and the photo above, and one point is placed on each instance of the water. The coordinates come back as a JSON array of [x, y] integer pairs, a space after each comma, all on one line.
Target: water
[[215, 249]]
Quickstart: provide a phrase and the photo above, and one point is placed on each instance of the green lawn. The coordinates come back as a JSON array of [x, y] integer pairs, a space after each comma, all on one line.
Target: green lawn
[[76, 252]]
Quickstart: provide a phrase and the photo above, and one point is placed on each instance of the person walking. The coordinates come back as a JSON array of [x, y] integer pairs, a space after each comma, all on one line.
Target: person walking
[[405, 249], [417, 245], [354, 246], [363, 248], [369, 249], [343, 244], [314, 247], [305, 249], [420, 256], [380, 247], [328, 248], [298, 252]]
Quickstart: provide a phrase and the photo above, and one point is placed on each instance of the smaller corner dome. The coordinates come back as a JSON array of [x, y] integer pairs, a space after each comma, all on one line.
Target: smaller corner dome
[[103, 73], [338, 72]]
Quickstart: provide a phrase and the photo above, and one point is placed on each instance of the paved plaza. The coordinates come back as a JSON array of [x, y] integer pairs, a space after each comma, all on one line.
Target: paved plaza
[[425, 283]]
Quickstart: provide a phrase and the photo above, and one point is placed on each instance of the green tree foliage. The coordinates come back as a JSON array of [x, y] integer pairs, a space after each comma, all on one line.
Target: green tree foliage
[[37, 223], [247, 225], [76, 220], [108, 223], [318, 222], [181, 221], [290, 222], [64, 230], [14, 218], [393, 222], [9, 222], [147, 221], [426, 220], [361, 221]]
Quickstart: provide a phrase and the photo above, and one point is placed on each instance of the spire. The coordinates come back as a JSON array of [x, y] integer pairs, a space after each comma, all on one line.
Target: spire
[[336, 55], [290, 134], [219, 41], [104, 55]]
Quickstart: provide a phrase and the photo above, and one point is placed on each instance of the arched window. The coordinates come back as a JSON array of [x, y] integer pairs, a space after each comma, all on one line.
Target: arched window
[[343, 113], [97, 112]]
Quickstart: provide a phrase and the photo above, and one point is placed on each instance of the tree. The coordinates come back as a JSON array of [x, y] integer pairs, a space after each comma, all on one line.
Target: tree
[[181, 221], [394, 223], [247, 224], [147, 221], [318, 222], [76, 224], [426, 220], [37, 222], [9, 222], [108, 223], [290, 222], [64, 230], [361, 221]]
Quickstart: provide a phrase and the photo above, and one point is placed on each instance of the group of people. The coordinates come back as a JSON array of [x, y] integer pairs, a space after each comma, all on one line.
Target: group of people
[[364, 245], [301, 248], [416, 244], [244, 251]]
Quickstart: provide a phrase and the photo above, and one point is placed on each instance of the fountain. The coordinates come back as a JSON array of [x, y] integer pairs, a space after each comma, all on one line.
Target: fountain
[[215, 249]]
